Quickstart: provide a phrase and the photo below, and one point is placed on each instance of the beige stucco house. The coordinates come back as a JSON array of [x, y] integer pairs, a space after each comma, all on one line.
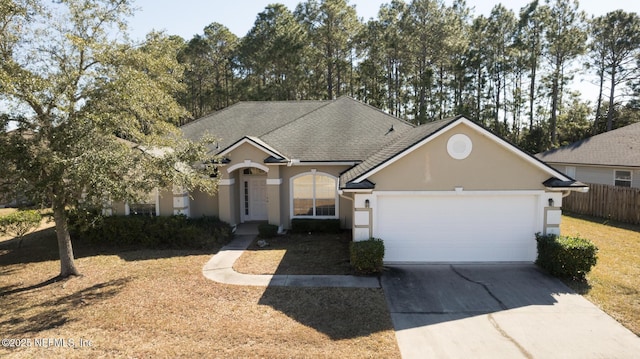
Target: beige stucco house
[[611, 158], [447, 191]]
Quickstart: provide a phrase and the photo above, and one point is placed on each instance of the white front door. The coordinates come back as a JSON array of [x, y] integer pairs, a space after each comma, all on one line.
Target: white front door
[[255, 198]]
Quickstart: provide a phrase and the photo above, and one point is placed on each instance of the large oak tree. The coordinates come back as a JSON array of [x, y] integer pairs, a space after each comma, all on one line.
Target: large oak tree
[[93, 113]]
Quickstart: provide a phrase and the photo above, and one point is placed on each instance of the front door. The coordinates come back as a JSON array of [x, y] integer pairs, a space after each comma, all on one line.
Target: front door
[[255, 198]]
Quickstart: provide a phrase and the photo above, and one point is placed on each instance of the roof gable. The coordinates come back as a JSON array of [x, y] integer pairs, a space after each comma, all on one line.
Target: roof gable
[[620, 147], [425, 134], [257, 143]]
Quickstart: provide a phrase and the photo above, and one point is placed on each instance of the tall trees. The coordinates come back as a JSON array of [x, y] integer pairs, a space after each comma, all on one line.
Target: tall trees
[[533, 18], [615, 45], [566, 38], [423, 31], [500, 33], [271, 55], [332, 26], [72, 87], [209, 76]]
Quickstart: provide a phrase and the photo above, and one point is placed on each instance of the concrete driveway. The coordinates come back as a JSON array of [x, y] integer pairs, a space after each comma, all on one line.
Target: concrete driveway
[[497, 311]]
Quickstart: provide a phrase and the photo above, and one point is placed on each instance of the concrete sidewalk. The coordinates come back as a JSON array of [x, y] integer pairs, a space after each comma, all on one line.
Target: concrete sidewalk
[[220, 269]]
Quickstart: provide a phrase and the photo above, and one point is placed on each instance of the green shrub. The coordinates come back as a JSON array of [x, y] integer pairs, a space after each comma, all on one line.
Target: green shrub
[[177, 232], [566, 256], [267, 230], [366, 256], [299, 225], [18, 224]]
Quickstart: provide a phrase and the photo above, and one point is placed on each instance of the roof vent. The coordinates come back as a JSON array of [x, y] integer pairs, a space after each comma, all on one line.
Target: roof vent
[[390, 130]]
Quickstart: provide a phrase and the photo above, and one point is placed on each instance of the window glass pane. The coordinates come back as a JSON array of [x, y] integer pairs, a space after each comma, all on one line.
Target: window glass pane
[[325, 196], [303, 196], [620, 183], [146, 207], [623, 178], [623, 175]]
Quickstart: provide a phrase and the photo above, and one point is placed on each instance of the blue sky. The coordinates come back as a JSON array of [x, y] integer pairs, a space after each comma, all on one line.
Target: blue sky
[[188, 17]]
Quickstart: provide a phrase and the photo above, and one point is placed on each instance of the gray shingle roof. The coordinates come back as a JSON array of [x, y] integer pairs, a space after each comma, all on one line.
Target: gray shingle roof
[[620, 147], [339, 130], [390, 150], [344, 130], [253, 118]]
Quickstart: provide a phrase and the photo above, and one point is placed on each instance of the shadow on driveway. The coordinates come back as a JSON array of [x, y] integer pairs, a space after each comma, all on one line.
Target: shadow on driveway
[[497, 311], [466, 290]]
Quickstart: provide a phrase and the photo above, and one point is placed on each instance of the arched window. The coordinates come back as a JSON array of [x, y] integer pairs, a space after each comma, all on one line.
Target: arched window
[[314, 195]]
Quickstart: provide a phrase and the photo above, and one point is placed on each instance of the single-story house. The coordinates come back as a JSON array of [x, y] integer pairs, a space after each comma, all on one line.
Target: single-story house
[[611, 158], [446, 191]]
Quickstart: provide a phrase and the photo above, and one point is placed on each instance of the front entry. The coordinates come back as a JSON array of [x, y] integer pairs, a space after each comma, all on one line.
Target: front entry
[[254, 198]]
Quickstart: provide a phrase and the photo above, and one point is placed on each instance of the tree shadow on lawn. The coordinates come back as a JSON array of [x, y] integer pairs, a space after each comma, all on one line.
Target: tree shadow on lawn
[[340, 313], [29, 314], [42, 246], [305, 254], [604, 221]]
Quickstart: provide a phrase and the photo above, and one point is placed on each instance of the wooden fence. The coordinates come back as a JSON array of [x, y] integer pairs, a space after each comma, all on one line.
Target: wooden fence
[[611, 202]]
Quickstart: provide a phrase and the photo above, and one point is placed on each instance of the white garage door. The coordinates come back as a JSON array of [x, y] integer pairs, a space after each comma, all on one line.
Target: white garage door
[[457, 228]]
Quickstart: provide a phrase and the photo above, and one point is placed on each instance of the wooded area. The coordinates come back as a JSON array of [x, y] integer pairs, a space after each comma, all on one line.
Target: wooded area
[[423, 60]]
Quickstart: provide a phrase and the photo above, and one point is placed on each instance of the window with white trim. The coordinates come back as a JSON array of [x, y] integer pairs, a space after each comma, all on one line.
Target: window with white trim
[[622, 178], [147, 205], [314, 195]]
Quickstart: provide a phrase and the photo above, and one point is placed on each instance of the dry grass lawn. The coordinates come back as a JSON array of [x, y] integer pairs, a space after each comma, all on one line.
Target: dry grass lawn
[[614, 283], [4, 211], [156, 303], [298, 254]]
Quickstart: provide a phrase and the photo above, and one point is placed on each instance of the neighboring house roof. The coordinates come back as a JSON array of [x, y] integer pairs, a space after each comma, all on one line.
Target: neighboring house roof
[[620, 147], [339, 130]]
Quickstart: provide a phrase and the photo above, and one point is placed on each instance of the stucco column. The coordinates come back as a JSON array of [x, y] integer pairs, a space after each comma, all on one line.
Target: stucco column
[[274, 198], [552, 203], [180, 201], [225, 200], [107, 208]]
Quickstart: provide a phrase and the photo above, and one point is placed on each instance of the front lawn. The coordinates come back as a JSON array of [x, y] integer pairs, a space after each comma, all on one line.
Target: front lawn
[[156, 303], [614, 283], [298, 254]]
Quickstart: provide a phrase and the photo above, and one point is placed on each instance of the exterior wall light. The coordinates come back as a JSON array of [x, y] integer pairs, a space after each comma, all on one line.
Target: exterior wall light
[[551, 202], [366, 203]]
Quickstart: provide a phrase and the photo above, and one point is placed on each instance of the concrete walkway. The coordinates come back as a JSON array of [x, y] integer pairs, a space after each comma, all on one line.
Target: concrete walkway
[[220, 269]]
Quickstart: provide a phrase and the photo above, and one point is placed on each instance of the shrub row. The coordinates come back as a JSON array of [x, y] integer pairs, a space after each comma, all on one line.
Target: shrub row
[[315, 225], [366, 256], [153, 232], [566, 256], [267, 230]]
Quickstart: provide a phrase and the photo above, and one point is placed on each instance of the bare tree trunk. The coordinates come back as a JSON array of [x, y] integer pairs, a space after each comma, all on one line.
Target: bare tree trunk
[[611, 99], [532, 90], [594, 131], [67, 264], [553, 123]]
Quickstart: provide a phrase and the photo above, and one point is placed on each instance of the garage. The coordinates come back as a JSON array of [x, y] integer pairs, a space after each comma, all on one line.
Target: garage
[[457, 227]]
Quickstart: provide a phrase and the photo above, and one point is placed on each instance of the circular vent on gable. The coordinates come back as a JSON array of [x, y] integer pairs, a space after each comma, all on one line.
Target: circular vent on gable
[[459, 146]]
